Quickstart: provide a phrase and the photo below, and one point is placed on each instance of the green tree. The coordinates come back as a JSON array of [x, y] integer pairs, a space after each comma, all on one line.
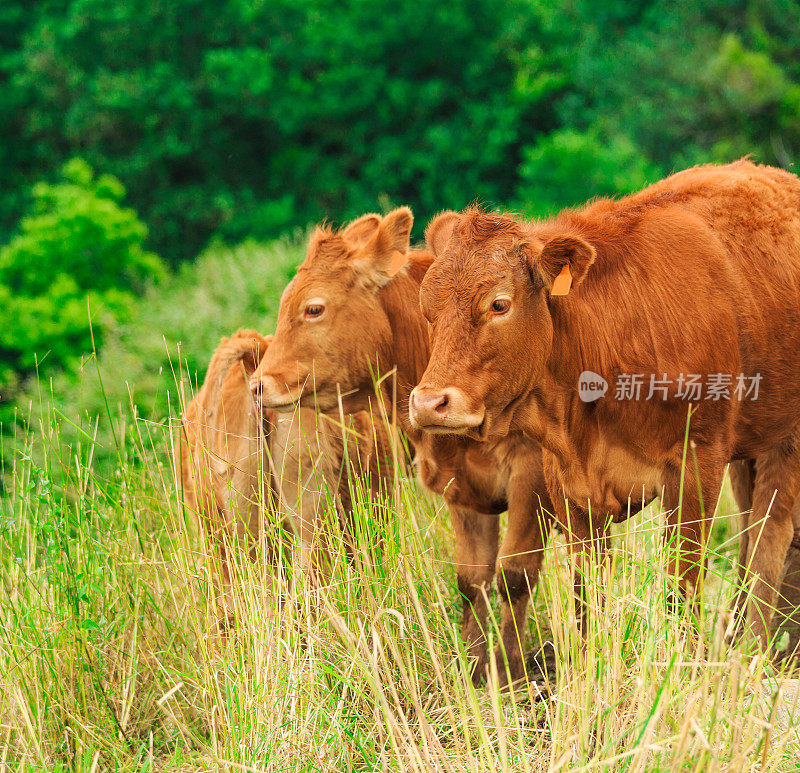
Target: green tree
[[247, 119], [687, 83], [78, 251], [568, 167]]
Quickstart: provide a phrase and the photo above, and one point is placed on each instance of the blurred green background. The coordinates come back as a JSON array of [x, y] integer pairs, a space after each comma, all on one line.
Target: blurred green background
[[161, 160]]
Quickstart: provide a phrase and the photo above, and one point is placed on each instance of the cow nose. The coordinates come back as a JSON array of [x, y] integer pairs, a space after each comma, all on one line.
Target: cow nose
[[443, 409], [431, 407], [427, 406], [256, 386]]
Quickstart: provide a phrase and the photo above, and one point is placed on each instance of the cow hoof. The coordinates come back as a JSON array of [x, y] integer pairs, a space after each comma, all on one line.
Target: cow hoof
[[479, 666], [511, 674], [480, 673], [540, 668], [536, 675]]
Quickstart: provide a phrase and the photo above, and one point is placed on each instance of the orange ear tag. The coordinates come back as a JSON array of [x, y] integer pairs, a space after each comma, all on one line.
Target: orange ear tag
[[399, 259], [562, 282]]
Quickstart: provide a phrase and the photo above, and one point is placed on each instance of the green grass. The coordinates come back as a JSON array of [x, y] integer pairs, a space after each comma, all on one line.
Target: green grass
[[106, 660]]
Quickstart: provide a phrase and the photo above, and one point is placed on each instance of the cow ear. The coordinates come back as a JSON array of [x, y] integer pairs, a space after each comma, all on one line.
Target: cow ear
[[384, 254], [256, 354], [564, 262], [439, 231], [394, 235], [361, 230]]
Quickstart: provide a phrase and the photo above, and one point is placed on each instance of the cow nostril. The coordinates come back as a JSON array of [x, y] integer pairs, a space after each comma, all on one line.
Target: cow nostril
[[442, 405], [255, 387]]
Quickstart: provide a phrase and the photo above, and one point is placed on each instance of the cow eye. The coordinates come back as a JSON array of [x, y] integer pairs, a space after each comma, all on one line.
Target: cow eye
[[501, 305], [313, 311]]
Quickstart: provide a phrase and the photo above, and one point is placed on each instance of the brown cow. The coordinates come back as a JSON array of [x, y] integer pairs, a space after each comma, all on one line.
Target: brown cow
[[698, 274], [239, 464], [223, 458], [344, 323]]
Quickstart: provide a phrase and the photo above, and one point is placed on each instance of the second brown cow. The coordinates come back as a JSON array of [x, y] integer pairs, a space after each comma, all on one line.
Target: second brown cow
[[240, 467]]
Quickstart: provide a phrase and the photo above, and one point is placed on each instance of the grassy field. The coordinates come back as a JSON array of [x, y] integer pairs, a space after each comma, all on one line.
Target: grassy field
[[106, 661], [107, 604]]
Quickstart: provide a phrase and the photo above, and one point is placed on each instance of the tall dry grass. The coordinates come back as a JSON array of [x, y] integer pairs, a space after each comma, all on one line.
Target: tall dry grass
[[107, 660]]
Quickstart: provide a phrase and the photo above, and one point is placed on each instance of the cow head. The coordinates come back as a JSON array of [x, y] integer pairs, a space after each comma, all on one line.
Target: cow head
[[331, 325], [488, 299]]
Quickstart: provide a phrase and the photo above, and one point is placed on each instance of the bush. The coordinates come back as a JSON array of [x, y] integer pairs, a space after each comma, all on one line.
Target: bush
[[168, 337], [568, 167], [77, 256]]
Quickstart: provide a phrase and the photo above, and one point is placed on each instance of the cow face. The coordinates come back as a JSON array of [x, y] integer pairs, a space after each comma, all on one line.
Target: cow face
[[330, 321], [487, 298]]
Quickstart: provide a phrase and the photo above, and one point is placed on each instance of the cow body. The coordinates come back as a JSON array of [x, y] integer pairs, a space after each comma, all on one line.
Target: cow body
[[224, 457], [371, 325], [240, 465], [698, 274]]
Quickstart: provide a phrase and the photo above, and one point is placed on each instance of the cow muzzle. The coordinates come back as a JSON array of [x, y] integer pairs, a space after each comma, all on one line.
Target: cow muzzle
[[272, 392], [443, 410]]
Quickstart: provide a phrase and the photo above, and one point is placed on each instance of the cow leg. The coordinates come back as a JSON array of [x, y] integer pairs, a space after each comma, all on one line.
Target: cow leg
[[518, 566], [787, 619], [587, 542], [477, 537], [789, 604], [743, 479], [303, 468], [742, 475], [225, 602], [690, 513], [579, 533], [771, 529]]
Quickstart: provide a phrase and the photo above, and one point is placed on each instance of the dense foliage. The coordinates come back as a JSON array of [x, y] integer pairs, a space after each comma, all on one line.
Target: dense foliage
[[72, 271], [151, 360], [244, 118]]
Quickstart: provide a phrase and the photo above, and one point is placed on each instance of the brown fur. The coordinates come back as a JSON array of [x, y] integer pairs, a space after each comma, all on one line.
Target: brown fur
[[699, 273], [787, 604], [223, 456], [238, 464], [372, 327]]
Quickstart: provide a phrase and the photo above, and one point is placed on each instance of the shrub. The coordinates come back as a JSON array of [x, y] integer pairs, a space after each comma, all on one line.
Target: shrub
[[78, 254], [568, 167], [168, 337]]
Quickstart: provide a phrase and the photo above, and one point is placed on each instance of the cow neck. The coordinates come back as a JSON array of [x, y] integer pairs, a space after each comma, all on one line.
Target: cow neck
[[542, 417], [409, 347], [553, 416]]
